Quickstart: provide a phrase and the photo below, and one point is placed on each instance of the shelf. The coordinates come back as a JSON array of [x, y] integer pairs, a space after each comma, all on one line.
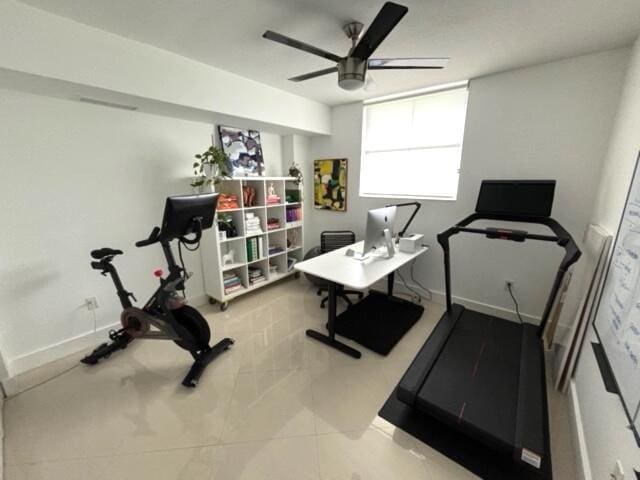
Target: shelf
[[239, 237], [257, 177], [277, 276], [257, 285], [235, 293], [231, 266], [214, 247]]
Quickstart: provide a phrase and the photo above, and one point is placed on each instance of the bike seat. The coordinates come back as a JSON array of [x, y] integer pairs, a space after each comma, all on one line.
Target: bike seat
[[104, 252]]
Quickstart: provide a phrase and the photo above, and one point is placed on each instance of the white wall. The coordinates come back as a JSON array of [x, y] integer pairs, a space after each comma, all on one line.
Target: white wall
[[603, 419], [39, 43], [546, 121], [75, 177]]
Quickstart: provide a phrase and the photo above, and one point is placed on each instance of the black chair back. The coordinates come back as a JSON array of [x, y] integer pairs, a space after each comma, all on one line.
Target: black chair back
[[334, 239]]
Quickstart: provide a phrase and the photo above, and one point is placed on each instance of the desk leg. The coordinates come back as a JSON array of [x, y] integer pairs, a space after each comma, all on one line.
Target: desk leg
[[391, 278], [331, 338]]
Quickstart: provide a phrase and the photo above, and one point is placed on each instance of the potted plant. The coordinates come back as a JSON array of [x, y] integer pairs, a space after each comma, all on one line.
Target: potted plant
[[210, 168]]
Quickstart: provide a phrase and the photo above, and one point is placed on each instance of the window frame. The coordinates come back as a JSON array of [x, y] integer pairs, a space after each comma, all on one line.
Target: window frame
[[406, 96]]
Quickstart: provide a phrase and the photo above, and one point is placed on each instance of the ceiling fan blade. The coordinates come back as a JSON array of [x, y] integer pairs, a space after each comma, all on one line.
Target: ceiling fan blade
[[388, 17], [276, 37], [407, 63], [317, 73]]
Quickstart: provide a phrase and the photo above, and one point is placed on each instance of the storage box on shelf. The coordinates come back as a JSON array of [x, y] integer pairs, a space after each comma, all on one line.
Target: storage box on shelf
[[257, 238]]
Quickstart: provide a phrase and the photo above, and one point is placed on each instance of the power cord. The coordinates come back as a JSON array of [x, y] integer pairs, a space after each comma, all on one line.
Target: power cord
[[415, 293], [515, 302], [416, 282], [184, 269]]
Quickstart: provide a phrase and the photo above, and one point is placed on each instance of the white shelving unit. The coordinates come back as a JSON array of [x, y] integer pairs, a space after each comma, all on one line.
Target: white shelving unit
[[280, 245]]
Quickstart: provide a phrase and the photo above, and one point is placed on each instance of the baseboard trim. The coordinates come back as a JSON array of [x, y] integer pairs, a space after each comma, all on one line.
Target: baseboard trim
[[59, 350], [580, 445], [70, 346], [439, 297]]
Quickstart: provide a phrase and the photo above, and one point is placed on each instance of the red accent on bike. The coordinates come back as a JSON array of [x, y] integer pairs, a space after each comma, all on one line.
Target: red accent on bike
[[158, 272]]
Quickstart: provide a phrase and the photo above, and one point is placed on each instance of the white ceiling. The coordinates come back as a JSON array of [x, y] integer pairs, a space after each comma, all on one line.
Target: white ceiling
[[480, 36]]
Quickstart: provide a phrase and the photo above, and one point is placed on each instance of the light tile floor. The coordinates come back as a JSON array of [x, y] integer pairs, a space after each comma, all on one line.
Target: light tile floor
[[278, 405]]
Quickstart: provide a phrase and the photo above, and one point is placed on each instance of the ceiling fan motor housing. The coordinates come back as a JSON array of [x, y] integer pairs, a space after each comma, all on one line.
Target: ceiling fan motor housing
[[351, 73]]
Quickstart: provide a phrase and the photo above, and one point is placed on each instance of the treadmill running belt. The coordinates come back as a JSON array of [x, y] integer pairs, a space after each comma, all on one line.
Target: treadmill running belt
[[475, 380]]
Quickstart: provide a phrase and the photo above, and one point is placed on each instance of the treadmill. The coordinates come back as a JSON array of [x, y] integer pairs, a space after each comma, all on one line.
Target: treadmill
[[484, 376]]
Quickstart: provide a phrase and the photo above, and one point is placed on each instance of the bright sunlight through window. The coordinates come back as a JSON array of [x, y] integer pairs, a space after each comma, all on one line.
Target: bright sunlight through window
[[411, 147]]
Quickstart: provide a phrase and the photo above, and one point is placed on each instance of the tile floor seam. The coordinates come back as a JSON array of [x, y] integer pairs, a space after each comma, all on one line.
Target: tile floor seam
[[159, 450], [203, 445], [228, 409]]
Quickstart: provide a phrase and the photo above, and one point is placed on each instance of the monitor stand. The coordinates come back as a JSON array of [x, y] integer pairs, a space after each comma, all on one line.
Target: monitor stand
[[360, 256]]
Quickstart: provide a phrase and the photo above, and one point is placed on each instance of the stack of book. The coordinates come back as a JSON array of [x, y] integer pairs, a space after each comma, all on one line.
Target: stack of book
[[227, 202], [254, 249], [274, 249], [273, 269], [231, 282], [273, 224], [294, 214], [256, 275], [252, 224]]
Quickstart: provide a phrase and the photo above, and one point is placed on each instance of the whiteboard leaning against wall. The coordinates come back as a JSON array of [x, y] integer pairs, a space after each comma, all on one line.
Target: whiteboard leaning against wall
[[617, 322]]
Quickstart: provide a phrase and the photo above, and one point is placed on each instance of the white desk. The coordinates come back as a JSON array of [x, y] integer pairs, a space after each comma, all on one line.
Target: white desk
[[340, 269]]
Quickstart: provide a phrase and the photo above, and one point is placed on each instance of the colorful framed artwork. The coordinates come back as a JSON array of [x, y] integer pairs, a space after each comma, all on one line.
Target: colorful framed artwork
[[330, 184], [244, 150]]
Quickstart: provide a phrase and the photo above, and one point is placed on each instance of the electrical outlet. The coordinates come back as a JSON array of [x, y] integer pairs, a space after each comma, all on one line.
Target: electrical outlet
[[508, 284], [91, 303]]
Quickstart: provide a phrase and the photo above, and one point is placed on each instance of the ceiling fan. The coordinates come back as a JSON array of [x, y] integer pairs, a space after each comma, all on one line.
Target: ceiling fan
[[352, 68]]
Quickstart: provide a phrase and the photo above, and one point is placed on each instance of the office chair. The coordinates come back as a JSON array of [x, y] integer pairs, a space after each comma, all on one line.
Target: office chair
[[333, 240]]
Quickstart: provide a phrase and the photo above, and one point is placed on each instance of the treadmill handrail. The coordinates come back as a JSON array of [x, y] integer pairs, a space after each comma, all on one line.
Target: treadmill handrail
[[562, 237]]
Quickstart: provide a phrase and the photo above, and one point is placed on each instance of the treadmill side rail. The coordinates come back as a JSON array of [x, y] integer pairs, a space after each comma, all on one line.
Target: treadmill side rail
[[532, 431], [421, 366]]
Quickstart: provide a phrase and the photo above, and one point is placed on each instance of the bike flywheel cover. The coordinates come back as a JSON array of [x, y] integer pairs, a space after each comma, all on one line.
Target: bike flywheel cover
[[135, 321]]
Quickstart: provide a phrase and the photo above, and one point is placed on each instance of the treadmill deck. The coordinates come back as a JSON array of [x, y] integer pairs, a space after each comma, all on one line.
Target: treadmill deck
[[475, 380]]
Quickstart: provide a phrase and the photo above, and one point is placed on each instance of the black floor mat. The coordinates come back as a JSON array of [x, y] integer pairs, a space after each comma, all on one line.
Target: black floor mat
[[463, 450], [378, 321]]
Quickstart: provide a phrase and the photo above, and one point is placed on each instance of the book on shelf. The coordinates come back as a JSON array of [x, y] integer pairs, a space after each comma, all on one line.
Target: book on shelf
[[255, 249], [290, 263], [294, 214]]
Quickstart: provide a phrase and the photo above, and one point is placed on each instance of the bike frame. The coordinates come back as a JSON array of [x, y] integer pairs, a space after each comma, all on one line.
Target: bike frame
[[160, 315]]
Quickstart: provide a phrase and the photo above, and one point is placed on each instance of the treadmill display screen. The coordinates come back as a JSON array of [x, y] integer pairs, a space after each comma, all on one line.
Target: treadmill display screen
[[531, 198]]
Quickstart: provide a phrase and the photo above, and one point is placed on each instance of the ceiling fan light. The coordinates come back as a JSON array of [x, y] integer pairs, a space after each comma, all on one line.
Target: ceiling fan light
[[351, 73], [351, 82]]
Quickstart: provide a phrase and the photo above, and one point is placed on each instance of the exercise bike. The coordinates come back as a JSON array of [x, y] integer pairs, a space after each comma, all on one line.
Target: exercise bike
[[165, 316]]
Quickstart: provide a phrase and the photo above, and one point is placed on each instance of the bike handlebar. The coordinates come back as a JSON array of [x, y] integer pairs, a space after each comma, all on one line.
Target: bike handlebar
[[153, 238]]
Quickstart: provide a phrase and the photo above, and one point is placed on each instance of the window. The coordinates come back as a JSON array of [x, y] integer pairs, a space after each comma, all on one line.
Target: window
[[411, 147]]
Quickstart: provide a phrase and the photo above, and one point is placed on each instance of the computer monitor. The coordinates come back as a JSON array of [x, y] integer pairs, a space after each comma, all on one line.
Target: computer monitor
[[181, 212], [378, 220], [529, 198]]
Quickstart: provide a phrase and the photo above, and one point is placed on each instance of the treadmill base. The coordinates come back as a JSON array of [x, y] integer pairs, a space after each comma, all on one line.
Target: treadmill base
[[470, 454]]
